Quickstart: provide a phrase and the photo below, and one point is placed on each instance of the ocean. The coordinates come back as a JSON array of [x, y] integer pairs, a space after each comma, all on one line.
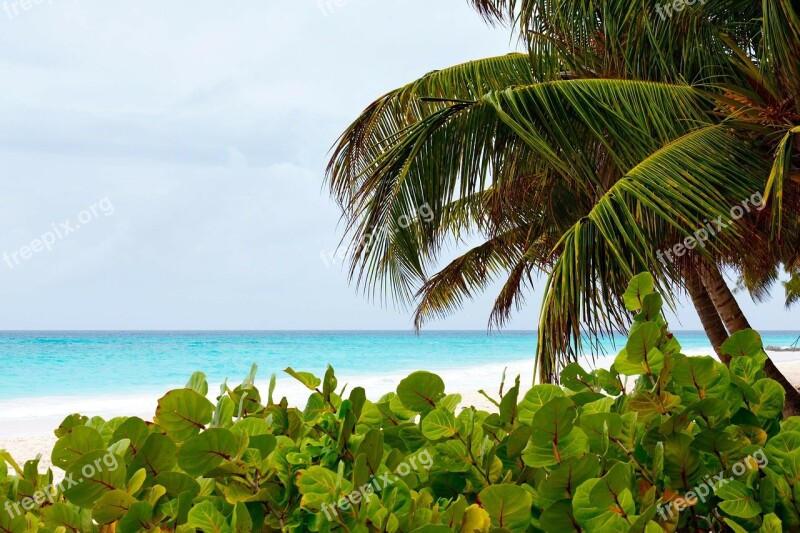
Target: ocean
[[38, 364]]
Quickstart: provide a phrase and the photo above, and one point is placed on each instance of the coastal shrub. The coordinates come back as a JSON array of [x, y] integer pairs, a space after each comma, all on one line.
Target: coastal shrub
[[689, 445]]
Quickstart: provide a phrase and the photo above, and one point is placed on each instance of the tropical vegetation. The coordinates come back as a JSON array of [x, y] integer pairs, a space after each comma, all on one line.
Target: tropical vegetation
[[618, 134], [691, 445]]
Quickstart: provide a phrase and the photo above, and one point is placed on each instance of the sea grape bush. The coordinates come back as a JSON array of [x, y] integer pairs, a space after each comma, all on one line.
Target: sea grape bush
[[599, 453]]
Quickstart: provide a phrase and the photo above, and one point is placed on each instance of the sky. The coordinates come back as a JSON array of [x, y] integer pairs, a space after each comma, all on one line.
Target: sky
[[163, 162]]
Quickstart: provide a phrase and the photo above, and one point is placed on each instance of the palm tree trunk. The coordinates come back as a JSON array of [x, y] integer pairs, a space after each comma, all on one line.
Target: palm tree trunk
[[712, 323], [734, 320], [729, 310]]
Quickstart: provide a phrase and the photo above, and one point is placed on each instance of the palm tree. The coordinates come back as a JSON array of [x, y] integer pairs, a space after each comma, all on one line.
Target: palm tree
[[618, 135]]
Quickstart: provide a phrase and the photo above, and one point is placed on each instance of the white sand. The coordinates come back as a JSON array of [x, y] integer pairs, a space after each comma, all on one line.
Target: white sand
[[26, 426]]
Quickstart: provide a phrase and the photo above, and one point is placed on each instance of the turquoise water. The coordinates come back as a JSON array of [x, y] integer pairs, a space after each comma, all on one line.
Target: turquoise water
[[37, 364]]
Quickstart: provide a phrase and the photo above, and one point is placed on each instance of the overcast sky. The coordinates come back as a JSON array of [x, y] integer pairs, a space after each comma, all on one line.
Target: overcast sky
[[174, 152]]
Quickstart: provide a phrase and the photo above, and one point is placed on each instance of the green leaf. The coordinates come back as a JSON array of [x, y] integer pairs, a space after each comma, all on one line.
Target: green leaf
[[319, 485], [309, 380], [642, 340], [11, 523], [206, 451], [206, 517], [61, 515], [112, 506], [439, 424], [95, 474], [596, 519], [745, 343], [509, 506], [577, 379], [738, 500], [681, 460], [156, 456], [568, 476], [651, 307], [770, 398], [771, 524], [639, 287], [554, 439], [695, 372], [420, 391], [241, 522], [138, 518], [76, 443], [540, 452], [559, 518], [198, 384], [183, 413], [535, 398]]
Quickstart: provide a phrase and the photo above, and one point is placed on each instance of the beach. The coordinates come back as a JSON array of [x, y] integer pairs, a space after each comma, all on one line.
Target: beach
[[26, 426]]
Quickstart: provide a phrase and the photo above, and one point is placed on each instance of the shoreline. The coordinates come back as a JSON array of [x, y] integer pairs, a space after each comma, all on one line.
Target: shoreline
[[27, 424]]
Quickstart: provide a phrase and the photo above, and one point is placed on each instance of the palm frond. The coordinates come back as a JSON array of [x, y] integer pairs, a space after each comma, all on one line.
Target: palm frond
[[669, 196]]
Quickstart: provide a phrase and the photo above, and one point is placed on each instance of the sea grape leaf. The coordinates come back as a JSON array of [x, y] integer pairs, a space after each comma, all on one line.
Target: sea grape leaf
[[475, 519], [508, 405], [577, 379], [599, 406], [439, 424], [781, 445], [641, 340], [698, 373], [206, 517], [737, 500], [608, 381], [509, 506], [746, 368], [770, 397], [198, 384], [745, 343], [112, 506], [535, 398], [183, 413], [598, 427], [61, 515], [651, 307], [177, 483], [771, 524], [70, 422], [595, 519], [568, 476], [543, 452], [559, 518], [310, 381], [319, 485], [73, 445], [626, 367], [640, 286], [421, 391], [156, 456], [134, 429], [241, 521], [681, 460], [94, 479], [650, 404], [205, 451]]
